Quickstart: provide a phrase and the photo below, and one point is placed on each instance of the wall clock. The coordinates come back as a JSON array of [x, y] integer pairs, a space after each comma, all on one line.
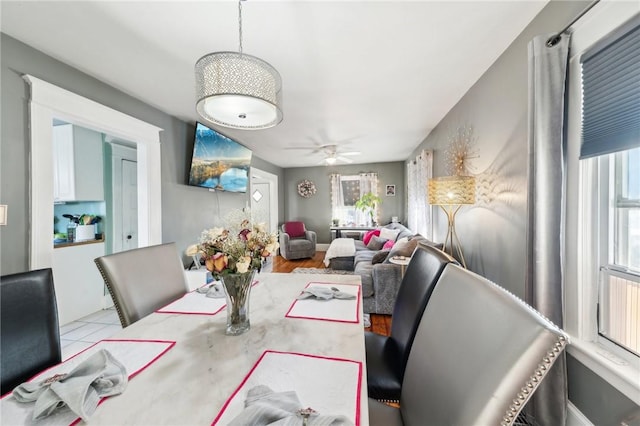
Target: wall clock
[[306, 188]]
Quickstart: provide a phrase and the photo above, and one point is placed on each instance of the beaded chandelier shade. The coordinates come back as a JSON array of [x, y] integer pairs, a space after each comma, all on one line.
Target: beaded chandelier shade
[[237, 90]]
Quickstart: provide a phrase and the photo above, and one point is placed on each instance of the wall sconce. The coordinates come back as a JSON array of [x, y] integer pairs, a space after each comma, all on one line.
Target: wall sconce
[[451, 193]]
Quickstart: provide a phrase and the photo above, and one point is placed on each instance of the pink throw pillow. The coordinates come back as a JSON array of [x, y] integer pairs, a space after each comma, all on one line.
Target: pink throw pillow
[[388, 245], [294, 229], [367, 237]]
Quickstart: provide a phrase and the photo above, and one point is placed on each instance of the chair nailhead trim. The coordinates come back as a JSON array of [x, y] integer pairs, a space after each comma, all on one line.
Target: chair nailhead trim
[[533, 382]]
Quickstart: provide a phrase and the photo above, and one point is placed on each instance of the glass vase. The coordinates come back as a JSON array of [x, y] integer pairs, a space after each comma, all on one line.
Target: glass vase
[[237, 288]]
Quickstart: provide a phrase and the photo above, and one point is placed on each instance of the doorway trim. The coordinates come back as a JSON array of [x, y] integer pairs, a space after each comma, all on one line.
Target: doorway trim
[[47, 102], [272, 179]]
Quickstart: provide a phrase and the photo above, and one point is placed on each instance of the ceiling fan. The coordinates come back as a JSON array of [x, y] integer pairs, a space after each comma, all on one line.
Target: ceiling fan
[[333, 155], [331, 152]]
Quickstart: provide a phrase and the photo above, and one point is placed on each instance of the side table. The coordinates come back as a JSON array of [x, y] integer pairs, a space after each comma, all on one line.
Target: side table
[[403, 261]]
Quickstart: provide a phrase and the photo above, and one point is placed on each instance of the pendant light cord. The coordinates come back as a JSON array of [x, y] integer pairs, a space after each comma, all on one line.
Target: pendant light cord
[[240, 25]]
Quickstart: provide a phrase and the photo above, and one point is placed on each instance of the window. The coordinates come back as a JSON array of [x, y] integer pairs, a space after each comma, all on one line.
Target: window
[[619, 287], [601, 226], [345, 210], [345, 191]]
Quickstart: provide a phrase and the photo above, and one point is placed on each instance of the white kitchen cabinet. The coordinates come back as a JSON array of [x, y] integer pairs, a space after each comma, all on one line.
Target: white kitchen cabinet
[[79, 286], [77, 164]]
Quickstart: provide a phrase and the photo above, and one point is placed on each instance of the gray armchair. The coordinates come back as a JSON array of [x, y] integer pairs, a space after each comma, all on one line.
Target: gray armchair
[[296, 242]]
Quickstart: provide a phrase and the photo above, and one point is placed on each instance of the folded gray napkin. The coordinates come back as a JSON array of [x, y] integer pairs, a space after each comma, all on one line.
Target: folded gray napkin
[[98, 376], [263, 406], [324, 293], [214, 290]]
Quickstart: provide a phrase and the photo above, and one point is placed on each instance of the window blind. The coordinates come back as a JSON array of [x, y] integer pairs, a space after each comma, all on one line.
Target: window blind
[[611, 93]]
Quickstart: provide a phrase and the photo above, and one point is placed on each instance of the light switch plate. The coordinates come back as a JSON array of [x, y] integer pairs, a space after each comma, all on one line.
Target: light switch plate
[[3, 214]]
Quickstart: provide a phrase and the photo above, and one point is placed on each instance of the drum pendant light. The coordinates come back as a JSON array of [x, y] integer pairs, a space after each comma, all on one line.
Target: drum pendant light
[[237, 90]]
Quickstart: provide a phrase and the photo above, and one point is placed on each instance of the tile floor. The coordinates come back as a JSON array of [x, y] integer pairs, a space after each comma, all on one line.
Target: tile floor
[[80, 334]]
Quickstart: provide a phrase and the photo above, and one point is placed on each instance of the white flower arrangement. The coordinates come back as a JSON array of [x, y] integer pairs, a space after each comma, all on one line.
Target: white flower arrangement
[[238, 247]]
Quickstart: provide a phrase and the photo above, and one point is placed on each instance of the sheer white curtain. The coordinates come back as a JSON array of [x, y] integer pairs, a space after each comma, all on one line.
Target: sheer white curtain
[[337, 199], [368, 183], [419, 170]]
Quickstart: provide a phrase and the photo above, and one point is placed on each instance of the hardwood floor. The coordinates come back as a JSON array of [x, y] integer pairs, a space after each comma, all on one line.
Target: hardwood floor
[[380, 324]]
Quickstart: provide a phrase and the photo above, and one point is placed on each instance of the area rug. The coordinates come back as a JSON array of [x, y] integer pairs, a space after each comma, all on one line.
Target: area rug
[[321, 271]]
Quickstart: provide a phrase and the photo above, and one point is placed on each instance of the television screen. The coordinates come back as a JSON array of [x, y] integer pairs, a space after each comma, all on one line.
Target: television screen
[[218, 162]]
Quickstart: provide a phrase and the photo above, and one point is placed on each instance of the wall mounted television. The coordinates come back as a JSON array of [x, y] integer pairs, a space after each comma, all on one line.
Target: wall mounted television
[[218, 162]]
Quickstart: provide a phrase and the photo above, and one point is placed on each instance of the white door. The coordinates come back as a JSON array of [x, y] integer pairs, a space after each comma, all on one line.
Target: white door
[[264, 198], [261, 203], [129, 205]]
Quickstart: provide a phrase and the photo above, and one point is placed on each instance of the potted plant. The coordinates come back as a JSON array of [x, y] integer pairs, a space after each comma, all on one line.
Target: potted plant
[[368, 203]]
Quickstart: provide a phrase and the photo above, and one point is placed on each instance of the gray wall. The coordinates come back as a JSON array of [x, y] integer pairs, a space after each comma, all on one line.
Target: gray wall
[[493, 231], [186, 210], [602, 404], [316, 210]]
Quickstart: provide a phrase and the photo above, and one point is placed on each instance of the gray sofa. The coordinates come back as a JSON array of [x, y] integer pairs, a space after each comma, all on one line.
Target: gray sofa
[[380, 281]]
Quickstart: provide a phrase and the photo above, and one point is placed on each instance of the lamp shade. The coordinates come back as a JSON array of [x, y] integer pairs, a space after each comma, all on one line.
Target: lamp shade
[[239, 91], [452, 190]]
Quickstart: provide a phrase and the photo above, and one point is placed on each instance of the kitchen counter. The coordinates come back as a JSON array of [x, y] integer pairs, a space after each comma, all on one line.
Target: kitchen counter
[[77, 243], [80, 289]]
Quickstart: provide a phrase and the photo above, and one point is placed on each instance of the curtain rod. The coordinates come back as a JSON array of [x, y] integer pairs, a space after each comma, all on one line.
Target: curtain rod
[[556, 38]]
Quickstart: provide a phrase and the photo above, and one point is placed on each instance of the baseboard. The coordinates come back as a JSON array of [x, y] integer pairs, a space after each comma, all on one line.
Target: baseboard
[[575, 417], [322, 247]]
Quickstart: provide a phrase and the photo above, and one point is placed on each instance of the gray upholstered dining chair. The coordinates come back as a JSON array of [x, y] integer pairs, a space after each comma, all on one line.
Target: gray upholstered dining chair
[[478, 355], [29, 331], [143, 280], [387, 355]]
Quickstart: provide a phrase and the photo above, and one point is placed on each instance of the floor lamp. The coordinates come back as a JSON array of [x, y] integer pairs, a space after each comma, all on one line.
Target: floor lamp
[[451, 193]]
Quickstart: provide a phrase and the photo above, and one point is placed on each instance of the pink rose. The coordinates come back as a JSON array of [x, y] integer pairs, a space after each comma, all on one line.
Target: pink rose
[[245, 234]]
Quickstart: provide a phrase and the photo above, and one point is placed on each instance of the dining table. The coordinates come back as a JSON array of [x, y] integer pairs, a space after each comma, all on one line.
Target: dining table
[[202, 376]]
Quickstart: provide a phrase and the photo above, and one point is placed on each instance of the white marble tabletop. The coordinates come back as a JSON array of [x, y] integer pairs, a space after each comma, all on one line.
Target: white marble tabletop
[[192, 381]]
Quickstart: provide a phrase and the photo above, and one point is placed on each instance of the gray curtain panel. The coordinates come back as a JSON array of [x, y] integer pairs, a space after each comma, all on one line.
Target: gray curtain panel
[[545, 205]]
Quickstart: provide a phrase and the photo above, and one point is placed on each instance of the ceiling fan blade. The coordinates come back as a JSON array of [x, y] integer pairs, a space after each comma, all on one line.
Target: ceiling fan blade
[[301, 147], [350, 153], [344, 159]]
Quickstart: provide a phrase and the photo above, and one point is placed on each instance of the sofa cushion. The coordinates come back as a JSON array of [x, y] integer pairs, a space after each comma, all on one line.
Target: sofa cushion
[[376, 243], [365, 270], [403, 230], [364, 256], [369, 234], [294, 229], [379, 257], [425, 241], [389, 234], [360, 245], [402, 249]]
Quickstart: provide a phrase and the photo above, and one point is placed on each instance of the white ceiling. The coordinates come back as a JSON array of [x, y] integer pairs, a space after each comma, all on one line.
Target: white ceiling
[[370, 76]]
